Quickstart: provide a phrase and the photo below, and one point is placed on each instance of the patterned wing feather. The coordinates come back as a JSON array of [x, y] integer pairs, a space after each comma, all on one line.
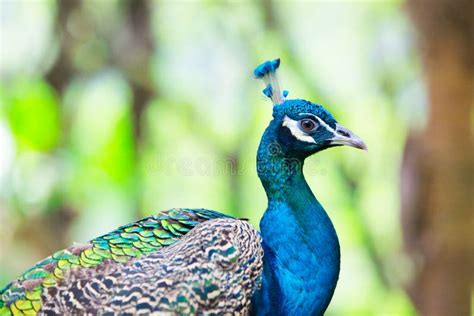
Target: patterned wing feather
[[24, 295], [214, 269]]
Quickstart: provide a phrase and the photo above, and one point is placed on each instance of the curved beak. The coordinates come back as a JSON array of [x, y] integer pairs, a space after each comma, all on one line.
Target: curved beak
[[346, 137]]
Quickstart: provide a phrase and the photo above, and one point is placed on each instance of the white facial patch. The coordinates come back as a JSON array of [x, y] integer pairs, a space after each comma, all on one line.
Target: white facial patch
[[322, 123], [296, 131]]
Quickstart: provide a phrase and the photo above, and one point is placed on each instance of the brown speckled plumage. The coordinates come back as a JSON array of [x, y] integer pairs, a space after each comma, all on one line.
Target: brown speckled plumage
[[213, 269], [205, 262]]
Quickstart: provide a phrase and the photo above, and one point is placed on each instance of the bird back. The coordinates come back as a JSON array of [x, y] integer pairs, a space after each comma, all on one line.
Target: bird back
[[131, 248]]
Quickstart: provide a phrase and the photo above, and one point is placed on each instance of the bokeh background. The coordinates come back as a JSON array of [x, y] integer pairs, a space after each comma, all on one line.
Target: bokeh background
[[112, 110]]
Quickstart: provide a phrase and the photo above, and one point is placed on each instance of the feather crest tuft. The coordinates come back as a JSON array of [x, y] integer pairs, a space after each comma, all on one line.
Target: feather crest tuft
[[267, 72]]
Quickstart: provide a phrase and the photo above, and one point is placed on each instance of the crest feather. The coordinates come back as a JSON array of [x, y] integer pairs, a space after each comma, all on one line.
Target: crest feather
[[267, 72]]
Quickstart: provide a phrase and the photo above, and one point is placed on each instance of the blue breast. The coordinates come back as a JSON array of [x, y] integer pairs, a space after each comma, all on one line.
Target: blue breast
[[301, 261]]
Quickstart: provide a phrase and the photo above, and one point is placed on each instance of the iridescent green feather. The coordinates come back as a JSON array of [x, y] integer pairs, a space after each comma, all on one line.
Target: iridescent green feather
[[23, 296]]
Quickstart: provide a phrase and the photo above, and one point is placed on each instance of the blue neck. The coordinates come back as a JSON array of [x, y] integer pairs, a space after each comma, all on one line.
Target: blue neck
[[301, 249]]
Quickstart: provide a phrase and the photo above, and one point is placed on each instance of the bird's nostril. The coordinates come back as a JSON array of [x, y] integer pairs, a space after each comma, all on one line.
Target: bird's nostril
[[344, 133]]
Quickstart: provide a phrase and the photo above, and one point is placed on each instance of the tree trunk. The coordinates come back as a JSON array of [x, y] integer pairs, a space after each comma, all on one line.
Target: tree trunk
[[438, 170]]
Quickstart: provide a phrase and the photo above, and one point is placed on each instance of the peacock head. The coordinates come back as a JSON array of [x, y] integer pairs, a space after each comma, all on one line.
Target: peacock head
[[300, 127]]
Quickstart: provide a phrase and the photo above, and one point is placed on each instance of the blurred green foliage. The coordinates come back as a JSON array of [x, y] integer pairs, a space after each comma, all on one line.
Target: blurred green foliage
[[138, 124], [27, 101]]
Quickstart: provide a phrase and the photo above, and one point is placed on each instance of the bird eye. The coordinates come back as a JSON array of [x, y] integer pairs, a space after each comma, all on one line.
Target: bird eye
[[308, 125]]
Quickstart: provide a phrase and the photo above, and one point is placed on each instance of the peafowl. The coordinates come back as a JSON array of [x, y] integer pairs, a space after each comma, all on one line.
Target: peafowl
[[198, 261]]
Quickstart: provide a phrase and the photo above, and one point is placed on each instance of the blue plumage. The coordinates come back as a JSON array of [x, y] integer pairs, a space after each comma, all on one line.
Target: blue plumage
[[268, 91], [267, 67], [301, 248], [267, 72]]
